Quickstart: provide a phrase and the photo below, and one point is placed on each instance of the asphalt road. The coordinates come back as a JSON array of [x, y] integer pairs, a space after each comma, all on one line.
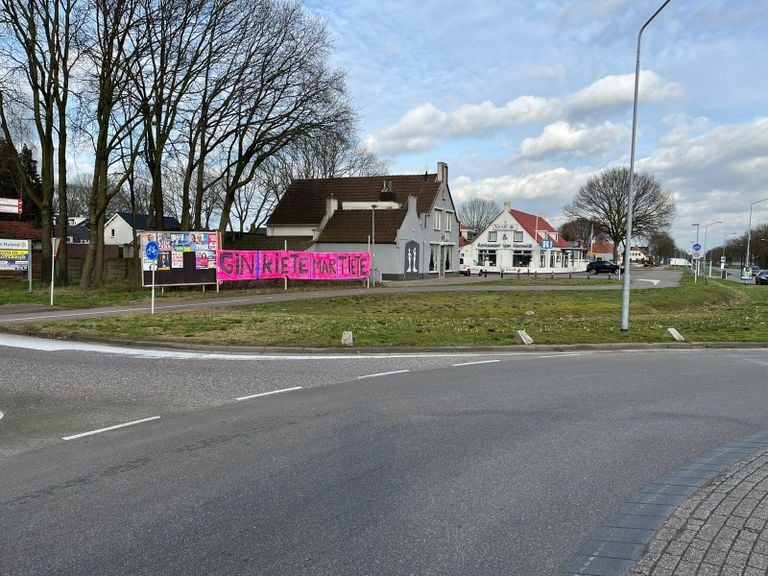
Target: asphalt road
[[418, 464]]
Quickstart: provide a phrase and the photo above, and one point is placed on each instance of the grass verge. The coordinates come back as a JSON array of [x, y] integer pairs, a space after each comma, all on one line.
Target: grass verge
[[713, 312]]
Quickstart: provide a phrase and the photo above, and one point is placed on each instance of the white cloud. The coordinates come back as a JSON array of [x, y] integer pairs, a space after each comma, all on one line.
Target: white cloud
[[611, 91], [422, 127], [580, 139], [558, 184]]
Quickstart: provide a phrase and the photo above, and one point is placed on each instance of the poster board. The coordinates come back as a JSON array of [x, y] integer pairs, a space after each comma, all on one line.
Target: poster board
[[15, 255], [185, 258]]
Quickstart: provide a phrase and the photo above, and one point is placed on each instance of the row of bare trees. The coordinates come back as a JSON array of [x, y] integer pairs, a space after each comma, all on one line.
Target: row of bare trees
[[190, 108]]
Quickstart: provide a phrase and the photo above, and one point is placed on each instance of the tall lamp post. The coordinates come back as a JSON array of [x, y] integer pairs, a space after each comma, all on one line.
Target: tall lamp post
[[631, 198], [749, 229], [706, 227]]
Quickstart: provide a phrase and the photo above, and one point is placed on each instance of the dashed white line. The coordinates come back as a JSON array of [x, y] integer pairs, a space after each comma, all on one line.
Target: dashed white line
[[383, 374], [268, 393], [560, 355], [92, 432], [478, 362], [1, 415]]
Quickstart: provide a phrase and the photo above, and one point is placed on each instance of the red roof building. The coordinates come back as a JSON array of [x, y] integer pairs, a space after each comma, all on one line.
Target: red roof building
[[516, 240]]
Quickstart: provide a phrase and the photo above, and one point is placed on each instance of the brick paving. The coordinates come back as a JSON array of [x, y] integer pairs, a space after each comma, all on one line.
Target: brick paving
[[719, 530], [707, 518]]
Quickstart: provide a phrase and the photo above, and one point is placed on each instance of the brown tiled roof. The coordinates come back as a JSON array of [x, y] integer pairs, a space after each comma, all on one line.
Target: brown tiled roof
[[260, 241], [354, 226], [304, 201], [19, 231]]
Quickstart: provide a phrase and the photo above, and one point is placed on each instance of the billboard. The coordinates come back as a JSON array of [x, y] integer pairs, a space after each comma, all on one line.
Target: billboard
[[270, 264], [184, 258], [14, 255]]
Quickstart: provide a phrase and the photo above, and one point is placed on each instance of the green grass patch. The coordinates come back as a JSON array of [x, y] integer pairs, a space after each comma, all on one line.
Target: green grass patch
[[702, 312]]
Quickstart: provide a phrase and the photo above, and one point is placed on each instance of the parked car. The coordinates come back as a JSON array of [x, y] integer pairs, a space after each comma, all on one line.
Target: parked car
[[597, 266], [755, 270], [761, 277]]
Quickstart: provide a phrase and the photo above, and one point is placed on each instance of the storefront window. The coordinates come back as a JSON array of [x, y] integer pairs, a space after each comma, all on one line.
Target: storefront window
[[486, 257], [521, 259]]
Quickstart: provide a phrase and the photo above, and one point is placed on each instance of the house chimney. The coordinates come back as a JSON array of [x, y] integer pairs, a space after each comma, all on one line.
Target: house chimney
[[442, 172], [507, 206], [386, 194]]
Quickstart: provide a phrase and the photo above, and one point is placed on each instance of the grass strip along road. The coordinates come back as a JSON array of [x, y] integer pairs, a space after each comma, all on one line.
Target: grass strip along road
[[715, 311]]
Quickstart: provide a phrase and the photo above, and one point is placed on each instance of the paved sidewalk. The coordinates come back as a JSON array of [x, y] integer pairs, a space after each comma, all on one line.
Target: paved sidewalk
[[709, 518], [720, 530]]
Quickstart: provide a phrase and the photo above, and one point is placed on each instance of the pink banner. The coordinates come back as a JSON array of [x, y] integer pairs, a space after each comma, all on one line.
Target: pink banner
[[266, 264]]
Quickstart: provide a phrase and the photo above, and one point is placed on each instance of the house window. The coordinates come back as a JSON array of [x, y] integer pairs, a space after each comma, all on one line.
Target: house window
[[112, 232], [486, 258], [434, 257], [449, 216], [492, 236], [518, 235], [448, 251], [438, 219]]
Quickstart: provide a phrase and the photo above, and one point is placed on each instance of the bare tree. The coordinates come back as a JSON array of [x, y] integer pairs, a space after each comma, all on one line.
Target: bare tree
[[289, 92], [476, 214], [604, 200], [661, 246], [111, 118], [37, 40]]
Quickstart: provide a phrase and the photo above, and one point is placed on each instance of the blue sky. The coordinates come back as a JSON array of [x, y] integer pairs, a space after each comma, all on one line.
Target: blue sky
[[526, 100]]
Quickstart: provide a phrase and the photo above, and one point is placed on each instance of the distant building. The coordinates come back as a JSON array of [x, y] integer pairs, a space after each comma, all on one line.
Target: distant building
[[516, 240], [408, 222], [119, 231]]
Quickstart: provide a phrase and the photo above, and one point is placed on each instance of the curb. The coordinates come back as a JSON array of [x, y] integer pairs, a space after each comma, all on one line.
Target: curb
[[616, 546]]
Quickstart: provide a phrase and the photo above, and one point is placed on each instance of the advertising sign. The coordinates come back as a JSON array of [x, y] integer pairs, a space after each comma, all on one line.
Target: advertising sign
[[179, 258], [14, 255]]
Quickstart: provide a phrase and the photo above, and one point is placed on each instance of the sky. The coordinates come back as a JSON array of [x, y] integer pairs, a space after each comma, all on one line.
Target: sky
[[526, 100]]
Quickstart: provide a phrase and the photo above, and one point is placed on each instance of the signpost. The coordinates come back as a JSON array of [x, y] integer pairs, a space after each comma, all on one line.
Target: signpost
[[10, 205], [152, 251], [55, 243], [696, 255]]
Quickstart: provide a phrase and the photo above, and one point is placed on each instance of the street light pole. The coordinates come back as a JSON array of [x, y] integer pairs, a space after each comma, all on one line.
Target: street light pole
[[373, 245], [706, 229], [631, 195], [749, 229]]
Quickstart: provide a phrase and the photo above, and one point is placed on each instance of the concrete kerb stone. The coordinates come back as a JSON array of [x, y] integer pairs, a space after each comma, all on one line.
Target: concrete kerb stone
[[710, 516]]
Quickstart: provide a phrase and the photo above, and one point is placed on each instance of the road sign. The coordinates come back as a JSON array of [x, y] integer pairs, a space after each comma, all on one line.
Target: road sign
[[696, 247], [546, 244], [152, 250]]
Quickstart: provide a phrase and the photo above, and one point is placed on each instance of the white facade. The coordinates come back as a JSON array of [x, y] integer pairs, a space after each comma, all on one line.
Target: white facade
[[117, 231], [519, 242]]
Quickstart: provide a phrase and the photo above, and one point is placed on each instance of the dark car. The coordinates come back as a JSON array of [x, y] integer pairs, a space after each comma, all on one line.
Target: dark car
[[761, 277], [597, 266], [755, 270]]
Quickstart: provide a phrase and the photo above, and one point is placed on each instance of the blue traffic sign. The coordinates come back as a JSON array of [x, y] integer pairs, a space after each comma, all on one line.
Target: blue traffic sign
[[152, 250], [697, 247], [546, 244]]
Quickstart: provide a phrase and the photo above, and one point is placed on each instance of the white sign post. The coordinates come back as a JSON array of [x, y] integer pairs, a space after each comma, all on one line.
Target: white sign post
[[55, 242], [152, 251]]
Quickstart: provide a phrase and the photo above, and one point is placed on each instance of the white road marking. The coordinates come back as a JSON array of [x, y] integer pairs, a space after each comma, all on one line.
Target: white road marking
[[107, 429], [560, 355], [654, 282], [268, 393], [383, 374], [479, 362], [1, 415]]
